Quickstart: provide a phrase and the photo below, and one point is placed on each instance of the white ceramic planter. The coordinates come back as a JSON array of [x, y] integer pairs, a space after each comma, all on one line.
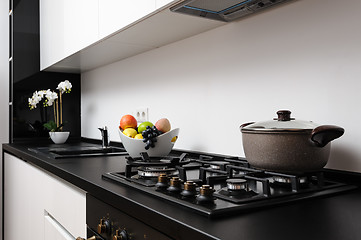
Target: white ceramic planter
[[59, 137]]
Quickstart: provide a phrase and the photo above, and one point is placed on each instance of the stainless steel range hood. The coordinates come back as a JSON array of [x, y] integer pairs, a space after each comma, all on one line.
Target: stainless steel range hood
[[223, 10]]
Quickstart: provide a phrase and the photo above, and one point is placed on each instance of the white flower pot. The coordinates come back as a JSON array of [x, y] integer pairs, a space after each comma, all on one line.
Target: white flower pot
[[59, 137]]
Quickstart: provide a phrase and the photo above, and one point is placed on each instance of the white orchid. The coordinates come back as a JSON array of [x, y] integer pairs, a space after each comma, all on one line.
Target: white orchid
[[36, 98], [64, 87], [52, 99], [32, 103], [41, 93]]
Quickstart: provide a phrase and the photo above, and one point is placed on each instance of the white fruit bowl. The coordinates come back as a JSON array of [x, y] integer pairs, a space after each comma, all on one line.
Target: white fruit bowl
[[162, 147]]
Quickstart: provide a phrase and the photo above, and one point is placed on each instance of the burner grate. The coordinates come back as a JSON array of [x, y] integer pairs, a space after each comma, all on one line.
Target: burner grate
[[260, 189]]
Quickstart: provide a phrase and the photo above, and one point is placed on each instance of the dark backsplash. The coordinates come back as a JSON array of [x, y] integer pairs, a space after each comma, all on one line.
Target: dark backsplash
[[25, 77], [29, 123]]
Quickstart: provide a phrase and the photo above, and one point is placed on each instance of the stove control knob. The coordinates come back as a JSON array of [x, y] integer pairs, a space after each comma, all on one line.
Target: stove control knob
[[104, 226], [121, 235], [162, 181], [175, 185], [205, 195], [92, 238], [189, 189]]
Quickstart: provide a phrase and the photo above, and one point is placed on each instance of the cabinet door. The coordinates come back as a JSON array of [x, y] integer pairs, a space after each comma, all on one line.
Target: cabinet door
[[54, 230], [20, 206], [115, 14], [66, 26], [43, 204], [66, 204]]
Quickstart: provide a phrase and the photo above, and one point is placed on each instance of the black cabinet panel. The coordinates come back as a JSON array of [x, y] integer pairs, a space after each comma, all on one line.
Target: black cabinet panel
[[26, 77], [26, 40]]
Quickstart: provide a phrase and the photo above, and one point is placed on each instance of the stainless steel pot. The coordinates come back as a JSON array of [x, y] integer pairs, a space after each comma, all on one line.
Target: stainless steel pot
[[288, 145]]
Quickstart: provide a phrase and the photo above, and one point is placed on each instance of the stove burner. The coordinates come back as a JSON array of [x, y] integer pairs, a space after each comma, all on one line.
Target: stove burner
[[168, 161], [287, 180], [237, 184], [155, 171], [218, 165]]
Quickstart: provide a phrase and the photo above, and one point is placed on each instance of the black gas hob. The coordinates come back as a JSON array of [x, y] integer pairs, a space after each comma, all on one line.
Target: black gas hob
[[214, 185]]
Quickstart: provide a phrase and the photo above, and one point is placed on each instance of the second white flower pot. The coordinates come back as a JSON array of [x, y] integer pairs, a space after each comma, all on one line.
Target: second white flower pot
[[59, 137]]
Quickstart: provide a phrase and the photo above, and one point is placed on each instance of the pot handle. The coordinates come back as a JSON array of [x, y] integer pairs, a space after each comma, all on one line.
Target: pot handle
[[324, 134], [245, 124]]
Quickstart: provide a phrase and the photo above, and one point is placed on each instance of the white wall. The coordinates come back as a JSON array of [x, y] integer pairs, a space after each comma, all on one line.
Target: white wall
[[303, 56], [4, 84]]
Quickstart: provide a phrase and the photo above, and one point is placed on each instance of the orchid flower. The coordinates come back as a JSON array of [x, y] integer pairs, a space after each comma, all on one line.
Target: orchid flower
[[64, 87], [52, 99], [36, 98]]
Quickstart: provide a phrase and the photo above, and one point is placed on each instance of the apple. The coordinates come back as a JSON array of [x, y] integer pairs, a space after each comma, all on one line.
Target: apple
[[130, 132], [144, 126], [163, 125], [128, 121]]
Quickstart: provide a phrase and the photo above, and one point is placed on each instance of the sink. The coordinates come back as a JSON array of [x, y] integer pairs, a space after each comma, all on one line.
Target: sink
[[79, 151]]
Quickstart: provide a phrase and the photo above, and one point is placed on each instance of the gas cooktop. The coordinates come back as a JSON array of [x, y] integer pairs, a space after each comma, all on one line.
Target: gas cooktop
[[214, 185]]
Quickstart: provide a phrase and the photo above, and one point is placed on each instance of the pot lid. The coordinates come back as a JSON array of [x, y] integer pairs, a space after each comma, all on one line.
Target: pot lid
[[283, 122]]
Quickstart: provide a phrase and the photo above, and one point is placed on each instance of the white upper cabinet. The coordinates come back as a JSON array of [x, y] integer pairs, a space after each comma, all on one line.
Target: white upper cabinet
[[161, 3], [80, 35], [66, 26], [115, 14]]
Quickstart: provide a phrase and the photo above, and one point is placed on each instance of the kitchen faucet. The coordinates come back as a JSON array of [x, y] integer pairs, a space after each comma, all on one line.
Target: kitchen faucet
[[105, 137]]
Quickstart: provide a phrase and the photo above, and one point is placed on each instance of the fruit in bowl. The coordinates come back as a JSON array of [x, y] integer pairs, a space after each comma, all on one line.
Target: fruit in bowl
[[163, 125], [138, 136], [144, 126], [130, 132], [128, 121], [149, 139]]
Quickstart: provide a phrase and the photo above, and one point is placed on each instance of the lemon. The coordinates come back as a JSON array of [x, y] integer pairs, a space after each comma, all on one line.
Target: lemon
[[130, 132], [138, 136]]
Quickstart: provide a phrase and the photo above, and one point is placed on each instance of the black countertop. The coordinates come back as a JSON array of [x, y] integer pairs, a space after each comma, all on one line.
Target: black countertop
[[331, 217]]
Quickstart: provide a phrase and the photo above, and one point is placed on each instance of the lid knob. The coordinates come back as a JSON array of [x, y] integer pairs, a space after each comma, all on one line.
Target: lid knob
[[284, 115]]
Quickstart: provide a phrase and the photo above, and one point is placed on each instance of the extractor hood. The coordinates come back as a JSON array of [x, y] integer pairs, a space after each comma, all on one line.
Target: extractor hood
[[223, 10]]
